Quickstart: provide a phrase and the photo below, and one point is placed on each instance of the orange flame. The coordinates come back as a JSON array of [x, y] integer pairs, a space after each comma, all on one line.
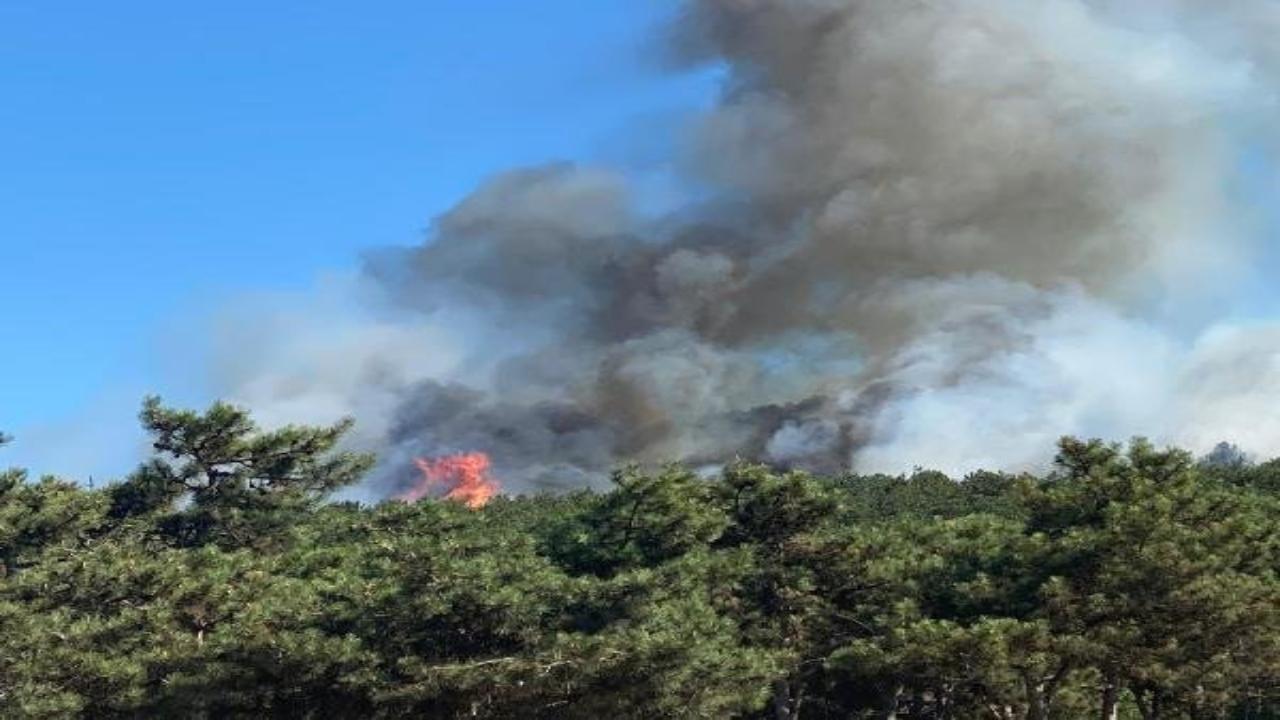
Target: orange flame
[[465, 477]]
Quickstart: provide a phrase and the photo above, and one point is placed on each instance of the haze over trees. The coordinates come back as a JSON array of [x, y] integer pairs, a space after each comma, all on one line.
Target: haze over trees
[[218, 581]]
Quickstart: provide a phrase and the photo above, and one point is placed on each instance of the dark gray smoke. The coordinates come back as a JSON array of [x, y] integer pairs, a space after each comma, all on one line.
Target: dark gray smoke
[[928, 232]]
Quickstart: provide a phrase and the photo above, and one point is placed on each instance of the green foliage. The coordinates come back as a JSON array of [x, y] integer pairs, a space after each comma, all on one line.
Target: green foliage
[[644, 521], [216, 581], [241, 485]]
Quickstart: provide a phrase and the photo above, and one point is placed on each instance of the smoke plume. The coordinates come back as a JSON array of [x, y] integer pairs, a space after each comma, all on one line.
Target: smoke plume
[[938, 232]]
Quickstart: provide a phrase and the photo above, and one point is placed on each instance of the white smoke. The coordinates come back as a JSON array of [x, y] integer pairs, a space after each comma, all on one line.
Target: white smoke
[[939, 233]]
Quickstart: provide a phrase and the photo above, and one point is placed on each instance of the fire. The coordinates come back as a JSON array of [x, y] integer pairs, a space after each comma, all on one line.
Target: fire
[[465, 477]]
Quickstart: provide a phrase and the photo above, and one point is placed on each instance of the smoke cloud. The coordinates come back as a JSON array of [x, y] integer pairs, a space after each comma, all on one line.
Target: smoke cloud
[[941, 233]]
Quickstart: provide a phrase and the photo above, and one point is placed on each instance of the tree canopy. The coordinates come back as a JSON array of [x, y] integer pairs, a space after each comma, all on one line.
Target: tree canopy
[[218, 580]]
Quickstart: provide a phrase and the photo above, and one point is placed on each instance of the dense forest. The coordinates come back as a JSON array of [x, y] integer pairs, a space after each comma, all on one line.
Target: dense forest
[[219, 580]]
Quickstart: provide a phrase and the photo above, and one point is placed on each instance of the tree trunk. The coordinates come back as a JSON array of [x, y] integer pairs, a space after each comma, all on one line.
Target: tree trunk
[[1039, 699], [1041, 690], [786, 700], [1037, 704], [781, 700], [889, 704], [1110, 700], [1148, 703], [1002, 712], [916, 706], [944, 702]]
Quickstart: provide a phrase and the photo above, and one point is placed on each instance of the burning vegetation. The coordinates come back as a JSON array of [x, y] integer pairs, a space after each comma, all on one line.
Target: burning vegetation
[[463, 477]]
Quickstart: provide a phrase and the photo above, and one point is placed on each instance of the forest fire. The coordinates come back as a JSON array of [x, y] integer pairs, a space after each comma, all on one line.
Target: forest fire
[[463, 476]]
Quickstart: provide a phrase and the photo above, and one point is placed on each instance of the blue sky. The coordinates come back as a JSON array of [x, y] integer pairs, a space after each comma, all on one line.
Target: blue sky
[[158, 157]]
